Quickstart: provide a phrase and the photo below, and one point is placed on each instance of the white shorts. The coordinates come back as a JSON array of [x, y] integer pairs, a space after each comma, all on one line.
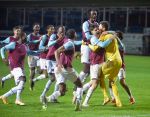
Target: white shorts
[[121, 74], [85, 54], [95, 71], [63, 75], [43, 64], [17, 73], [50, 66], [33, 61]]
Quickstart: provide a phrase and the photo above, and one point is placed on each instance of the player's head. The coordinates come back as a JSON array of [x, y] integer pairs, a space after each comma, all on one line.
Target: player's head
[[50, 29], [103, 26], [36, 27], [17, 30], [71, 34], [119, 34], [61, 31], [94, 29], [23, 37], [92, 14]]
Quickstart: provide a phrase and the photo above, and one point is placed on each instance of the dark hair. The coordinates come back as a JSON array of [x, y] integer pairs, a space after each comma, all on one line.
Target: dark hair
[[93, 26], [89, 12], [119, 34], [49, 26], [61, 26], [70, 33], [36, 23], [105, 24], [17, 27]]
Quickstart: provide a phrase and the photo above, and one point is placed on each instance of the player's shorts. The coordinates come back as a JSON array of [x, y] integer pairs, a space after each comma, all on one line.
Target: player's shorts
[[33, 61], [111, 69], [85, 54], [50, 66], [43, 64], [64, 74], [17, 73], [121, 74], [95, 71]]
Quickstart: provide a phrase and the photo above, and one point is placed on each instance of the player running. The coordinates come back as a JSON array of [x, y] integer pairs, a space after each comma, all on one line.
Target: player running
[[33, 41], [17, 53]]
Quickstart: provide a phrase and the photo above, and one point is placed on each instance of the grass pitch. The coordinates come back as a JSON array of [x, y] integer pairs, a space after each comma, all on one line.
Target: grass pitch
[[137, 77]]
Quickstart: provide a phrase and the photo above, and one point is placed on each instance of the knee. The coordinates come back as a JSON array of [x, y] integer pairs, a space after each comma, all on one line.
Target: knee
[[22, 78], [94, 86], [52, 77]]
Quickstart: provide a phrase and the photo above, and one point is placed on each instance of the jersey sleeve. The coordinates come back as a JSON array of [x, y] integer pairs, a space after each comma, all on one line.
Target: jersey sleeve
[[6, 41], [86, 30], [52, 37], [77, 43], [10, 46], [102, 44], [42, 42]]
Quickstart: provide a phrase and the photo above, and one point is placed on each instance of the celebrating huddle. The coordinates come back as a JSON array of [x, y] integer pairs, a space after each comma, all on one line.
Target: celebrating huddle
[[52, 55]]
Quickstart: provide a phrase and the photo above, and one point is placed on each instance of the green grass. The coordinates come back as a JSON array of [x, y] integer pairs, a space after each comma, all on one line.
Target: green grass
[[138, 79]]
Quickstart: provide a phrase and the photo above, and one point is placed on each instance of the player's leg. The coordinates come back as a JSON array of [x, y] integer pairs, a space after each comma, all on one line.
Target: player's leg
[[7, 77], [103, 88], [19, 90], [121, 76], [50, 70], [17, 73], [111, 93], [47, 87], [79, 93], [32, 65], [116, 94], [85, 51], [95, 73], [43, 69]]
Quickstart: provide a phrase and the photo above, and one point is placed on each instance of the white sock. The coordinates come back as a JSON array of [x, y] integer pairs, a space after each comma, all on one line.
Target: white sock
[[82, 76], [19, 90], [111, 93], [9, 76], [47, 87], [88, 95], [55, 95], [11, 92], [42, 76], [79, 93], [86, 87]]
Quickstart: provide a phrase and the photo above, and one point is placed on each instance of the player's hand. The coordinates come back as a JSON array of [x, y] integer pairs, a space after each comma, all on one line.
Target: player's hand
[[6, 61], [60, 36]]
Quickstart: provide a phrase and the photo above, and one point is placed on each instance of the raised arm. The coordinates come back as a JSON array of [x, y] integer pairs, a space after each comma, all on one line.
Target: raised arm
[[42, 42], [33, 41], [85, 28], [102, 44]]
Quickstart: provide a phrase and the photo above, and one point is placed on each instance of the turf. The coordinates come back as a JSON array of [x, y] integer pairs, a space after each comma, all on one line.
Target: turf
[[138, 79]]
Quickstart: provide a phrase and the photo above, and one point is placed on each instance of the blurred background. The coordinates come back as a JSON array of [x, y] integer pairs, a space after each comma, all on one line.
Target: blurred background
[[130, 16]]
